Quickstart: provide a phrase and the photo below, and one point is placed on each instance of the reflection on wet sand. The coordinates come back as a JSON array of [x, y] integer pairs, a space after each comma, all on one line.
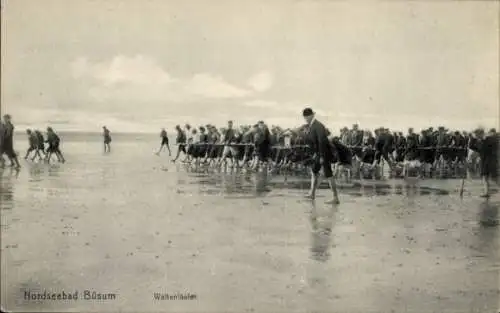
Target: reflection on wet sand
[[322, 222], [54, 170], [260, 184], [8, 178], [489, 212], [7, 182], [36, 172]]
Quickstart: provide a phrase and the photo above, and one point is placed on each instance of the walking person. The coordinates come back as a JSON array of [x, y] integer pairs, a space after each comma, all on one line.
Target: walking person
[[164, 142], [33, 145], [262, 146], [8, 141], [318, 137], [181, 142], [489, 160], [107, 139], [41, 144], [54, 142]]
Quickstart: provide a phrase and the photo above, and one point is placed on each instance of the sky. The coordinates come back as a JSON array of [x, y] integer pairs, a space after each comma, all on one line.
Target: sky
[[139, 65]]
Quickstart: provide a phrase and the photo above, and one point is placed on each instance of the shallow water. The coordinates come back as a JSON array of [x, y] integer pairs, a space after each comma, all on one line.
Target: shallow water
[[134, 224]]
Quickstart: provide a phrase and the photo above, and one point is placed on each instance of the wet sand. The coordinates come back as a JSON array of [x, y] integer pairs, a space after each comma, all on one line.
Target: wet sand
[[133, 224]]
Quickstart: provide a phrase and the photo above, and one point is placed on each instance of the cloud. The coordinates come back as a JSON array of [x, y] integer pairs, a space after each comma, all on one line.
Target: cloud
[[209, 86], [262, 104], [261, 81], [140, 78], [137, 70]]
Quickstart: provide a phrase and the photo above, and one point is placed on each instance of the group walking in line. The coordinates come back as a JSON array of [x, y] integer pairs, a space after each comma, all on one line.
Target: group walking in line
[[354, 153], [36, 145]]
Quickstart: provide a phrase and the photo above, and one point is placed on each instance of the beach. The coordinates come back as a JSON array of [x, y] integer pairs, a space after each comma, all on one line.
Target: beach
[[134, 229]]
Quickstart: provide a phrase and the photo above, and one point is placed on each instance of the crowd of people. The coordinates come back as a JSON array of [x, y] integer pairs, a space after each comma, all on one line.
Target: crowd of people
[[355, 153], [432, 149], [434, 152]]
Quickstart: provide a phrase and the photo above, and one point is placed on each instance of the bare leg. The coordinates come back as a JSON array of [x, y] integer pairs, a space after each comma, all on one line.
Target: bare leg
[[14, 160], [60, 156], [37, 153], [186, 158], [314, 186], [333, 188], [28, 152], [40, 152], [179, 148], [486, 184]]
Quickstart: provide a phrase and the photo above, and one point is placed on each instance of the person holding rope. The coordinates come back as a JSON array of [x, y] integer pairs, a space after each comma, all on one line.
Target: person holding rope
[[229, 151], [181, 142], [321, 148], [489, 160], [262, 145]]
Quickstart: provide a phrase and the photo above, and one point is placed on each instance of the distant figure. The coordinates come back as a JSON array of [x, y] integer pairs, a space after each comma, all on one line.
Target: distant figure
[[33, 145], [107, 139], [321, 147], [8, 142], [164, 142], [54, 142]]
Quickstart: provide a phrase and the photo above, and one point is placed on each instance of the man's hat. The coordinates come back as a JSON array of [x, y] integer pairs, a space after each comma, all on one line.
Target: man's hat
[[307, 112]]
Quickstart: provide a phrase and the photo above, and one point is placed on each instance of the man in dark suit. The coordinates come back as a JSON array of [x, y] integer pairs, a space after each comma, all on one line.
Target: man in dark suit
[[323, 156]]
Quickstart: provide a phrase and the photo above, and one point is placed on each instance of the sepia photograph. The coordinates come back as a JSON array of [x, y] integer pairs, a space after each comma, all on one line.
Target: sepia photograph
[[250, 156]]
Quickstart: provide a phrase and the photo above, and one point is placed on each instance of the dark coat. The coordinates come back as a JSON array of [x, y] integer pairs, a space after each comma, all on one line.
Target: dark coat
[[318, 138]]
